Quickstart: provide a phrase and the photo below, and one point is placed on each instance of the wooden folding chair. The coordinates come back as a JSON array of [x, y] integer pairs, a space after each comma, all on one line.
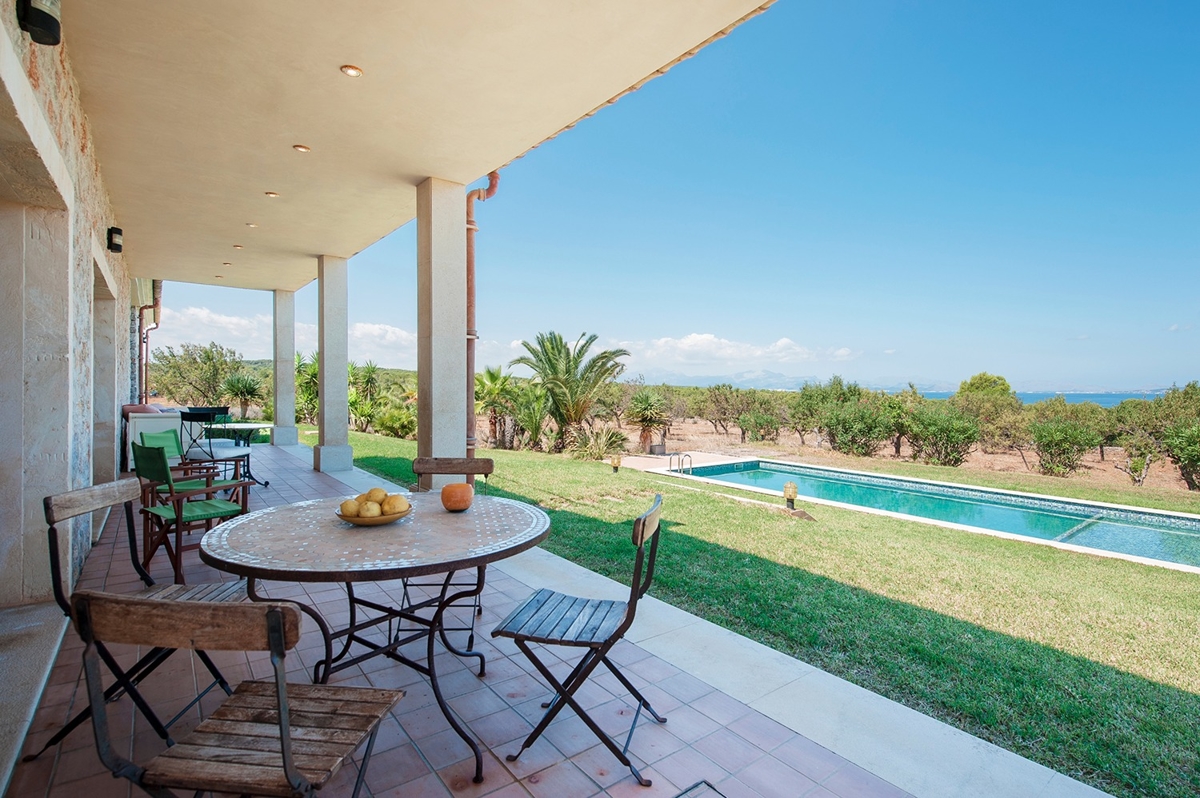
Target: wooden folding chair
[[268, 737], [66, 506], [173, 512], [192, 474], [453, 466], [556, 619]]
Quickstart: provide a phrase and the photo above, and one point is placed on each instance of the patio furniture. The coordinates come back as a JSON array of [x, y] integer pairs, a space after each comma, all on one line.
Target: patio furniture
[[243, 431], [453, 466], [65, 506], [195, 472], [556, 619], [196, 425], [306, 542], [173, 512], [268, 737]]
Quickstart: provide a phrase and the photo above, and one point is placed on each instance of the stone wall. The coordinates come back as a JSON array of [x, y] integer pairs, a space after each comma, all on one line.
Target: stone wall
[[48, 145]]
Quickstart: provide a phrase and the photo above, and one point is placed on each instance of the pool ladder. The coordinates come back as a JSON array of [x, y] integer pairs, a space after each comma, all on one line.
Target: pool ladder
[[683, 456]]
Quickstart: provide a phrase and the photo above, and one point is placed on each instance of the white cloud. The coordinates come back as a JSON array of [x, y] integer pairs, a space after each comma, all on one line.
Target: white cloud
[[889, 351], [1179, 327], [250, 336], [706, 348]]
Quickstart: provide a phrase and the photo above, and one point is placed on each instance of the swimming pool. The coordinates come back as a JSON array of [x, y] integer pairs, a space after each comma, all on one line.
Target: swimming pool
[[1134, 533]]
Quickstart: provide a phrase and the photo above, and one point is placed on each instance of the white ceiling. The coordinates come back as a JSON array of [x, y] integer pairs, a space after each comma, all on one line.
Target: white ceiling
[[195, 107]]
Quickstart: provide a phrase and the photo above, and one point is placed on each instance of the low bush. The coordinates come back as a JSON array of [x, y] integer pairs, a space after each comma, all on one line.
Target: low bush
[[1183, 447], [941, 435], [599, 443], [857, 428], [1060, 445], [399, 421]]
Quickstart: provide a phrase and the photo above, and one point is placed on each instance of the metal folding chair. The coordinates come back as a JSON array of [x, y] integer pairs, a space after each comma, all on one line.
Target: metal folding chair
[[65, 506], [268, 737], [557, 619]]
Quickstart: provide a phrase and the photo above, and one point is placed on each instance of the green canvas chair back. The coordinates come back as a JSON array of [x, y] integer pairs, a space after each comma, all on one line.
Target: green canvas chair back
[[167, 440], [150, 463]]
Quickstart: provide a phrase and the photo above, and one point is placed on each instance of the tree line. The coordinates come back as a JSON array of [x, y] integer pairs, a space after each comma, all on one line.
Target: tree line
[[574, 402]]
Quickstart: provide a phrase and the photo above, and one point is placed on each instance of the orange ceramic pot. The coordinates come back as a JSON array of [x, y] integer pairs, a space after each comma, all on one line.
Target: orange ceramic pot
[[457, 497]]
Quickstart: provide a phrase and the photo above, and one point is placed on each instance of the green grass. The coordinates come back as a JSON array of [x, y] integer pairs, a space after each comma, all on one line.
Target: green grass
[[1085, 664]]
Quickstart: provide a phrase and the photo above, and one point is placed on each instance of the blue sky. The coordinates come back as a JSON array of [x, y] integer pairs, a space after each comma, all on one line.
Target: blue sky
[[884, 190]]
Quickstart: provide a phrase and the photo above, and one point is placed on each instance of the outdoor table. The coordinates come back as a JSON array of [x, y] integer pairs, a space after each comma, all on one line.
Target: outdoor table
[[307, 542], [243, 431]]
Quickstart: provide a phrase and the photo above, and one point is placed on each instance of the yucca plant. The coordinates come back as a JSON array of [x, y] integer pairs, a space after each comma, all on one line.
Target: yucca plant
[[599, 443], [243, 389], [648, 412]]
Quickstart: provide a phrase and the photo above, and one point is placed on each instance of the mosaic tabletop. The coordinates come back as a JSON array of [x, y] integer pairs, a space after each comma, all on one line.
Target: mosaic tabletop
[[307, 542]]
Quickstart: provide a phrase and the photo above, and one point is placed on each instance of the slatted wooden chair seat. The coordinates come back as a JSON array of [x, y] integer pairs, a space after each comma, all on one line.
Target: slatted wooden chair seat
[[112, 495], [239, 746], [553, 618], [269, 737], [562, 620]]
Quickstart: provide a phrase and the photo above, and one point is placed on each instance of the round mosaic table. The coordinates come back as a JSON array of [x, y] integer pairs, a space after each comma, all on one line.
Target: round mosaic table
[[307, 542]]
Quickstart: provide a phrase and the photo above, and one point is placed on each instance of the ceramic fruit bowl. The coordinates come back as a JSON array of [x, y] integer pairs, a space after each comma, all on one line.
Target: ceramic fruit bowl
[[378, 520]]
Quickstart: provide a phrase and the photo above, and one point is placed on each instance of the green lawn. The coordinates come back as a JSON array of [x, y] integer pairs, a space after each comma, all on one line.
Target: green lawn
[[1086, 664]]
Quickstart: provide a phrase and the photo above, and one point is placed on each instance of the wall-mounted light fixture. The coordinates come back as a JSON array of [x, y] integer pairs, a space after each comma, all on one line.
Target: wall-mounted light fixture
[[116, 239], [41, 19]]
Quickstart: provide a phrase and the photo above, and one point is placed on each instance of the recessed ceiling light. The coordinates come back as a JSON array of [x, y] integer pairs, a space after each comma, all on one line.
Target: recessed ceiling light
[[301, 148], [272, 194], [237, 246], [219, 276], [253, 224], [226, 263], [351, 70]]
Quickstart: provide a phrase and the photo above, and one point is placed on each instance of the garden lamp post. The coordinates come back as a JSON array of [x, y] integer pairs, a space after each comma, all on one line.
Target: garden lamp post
[[615, 460], [790, 492]]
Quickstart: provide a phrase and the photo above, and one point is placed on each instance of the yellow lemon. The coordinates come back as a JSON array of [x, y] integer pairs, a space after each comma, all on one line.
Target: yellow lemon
[[349, 508], [369, 510], [376, 495], [360, 498], [394, 503]]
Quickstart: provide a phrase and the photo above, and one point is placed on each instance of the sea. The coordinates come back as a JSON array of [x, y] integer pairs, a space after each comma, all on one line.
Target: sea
[[1104, 399]]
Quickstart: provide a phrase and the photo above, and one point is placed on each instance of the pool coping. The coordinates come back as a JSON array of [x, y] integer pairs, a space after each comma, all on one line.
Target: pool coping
[[1174, 566]]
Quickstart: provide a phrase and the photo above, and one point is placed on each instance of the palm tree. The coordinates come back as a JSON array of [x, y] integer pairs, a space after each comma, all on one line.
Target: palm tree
[[308, 383], [531, 408], [648, 412], [493, 395], [570, 378], [243, 389]]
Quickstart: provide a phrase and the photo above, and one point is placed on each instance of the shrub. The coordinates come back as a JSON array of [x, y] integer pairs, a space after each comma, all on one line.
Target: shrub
[[599, 443], [1060, 445], [759, 426], [941, 435], [1183, 447], [399, 421], [856, 428]]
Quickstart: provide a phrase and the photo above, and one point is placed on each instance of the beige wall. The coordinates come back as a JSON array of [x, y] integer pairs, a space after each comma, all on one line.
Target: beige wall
[[63, 309]]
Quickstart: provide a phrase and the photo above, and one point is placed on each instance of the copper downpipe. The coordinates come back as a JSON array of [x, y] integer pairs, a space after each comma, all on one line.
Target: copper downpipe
[[144, 339], [480, 194]]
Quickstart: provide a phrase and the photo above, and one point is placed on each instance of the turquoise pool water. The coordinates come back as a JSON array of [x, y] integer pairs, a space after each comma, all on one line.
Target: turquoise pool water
[[1143, 534]]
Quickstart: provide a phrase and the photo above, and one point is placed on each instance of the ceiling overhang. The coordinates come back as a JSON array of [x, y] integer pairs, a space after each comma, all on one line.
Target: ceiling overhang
[[195, 108]]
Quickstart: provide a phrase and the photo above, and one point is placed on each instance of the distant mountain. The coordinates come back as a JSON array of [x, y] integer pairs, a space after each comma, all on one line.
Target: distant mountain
[[767, 380]]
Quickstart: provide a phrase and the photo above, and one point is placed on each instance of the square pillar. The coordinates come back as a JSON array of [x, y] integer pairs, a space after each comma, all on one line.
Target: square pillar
[[283, 378], [332, 452], [441, 323]]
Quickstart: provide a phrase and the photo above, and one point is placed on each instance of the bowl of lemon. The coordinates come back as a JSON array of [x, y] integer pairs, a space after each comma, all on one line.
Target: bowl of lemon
[[376, 507]]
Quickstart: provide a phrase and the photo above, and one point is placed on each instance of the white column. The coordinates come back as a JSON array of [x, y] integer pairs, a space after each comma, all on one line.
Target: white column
[[332, 452], [441, 322], [284, 376], [12, 401]]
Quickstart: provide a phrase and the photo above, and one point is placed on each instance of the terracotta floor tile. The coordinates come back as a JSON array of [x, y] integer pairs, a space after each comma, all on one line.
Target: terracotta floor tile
[[854, 782], [560, 781], [727, 750], [808, 758], [773, 779]]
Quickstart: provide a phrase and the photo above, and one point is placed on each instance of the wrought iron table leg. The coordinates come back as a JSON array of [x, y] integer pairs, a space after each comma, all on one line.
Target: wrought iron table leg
[[435, 627], [321, 669]]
